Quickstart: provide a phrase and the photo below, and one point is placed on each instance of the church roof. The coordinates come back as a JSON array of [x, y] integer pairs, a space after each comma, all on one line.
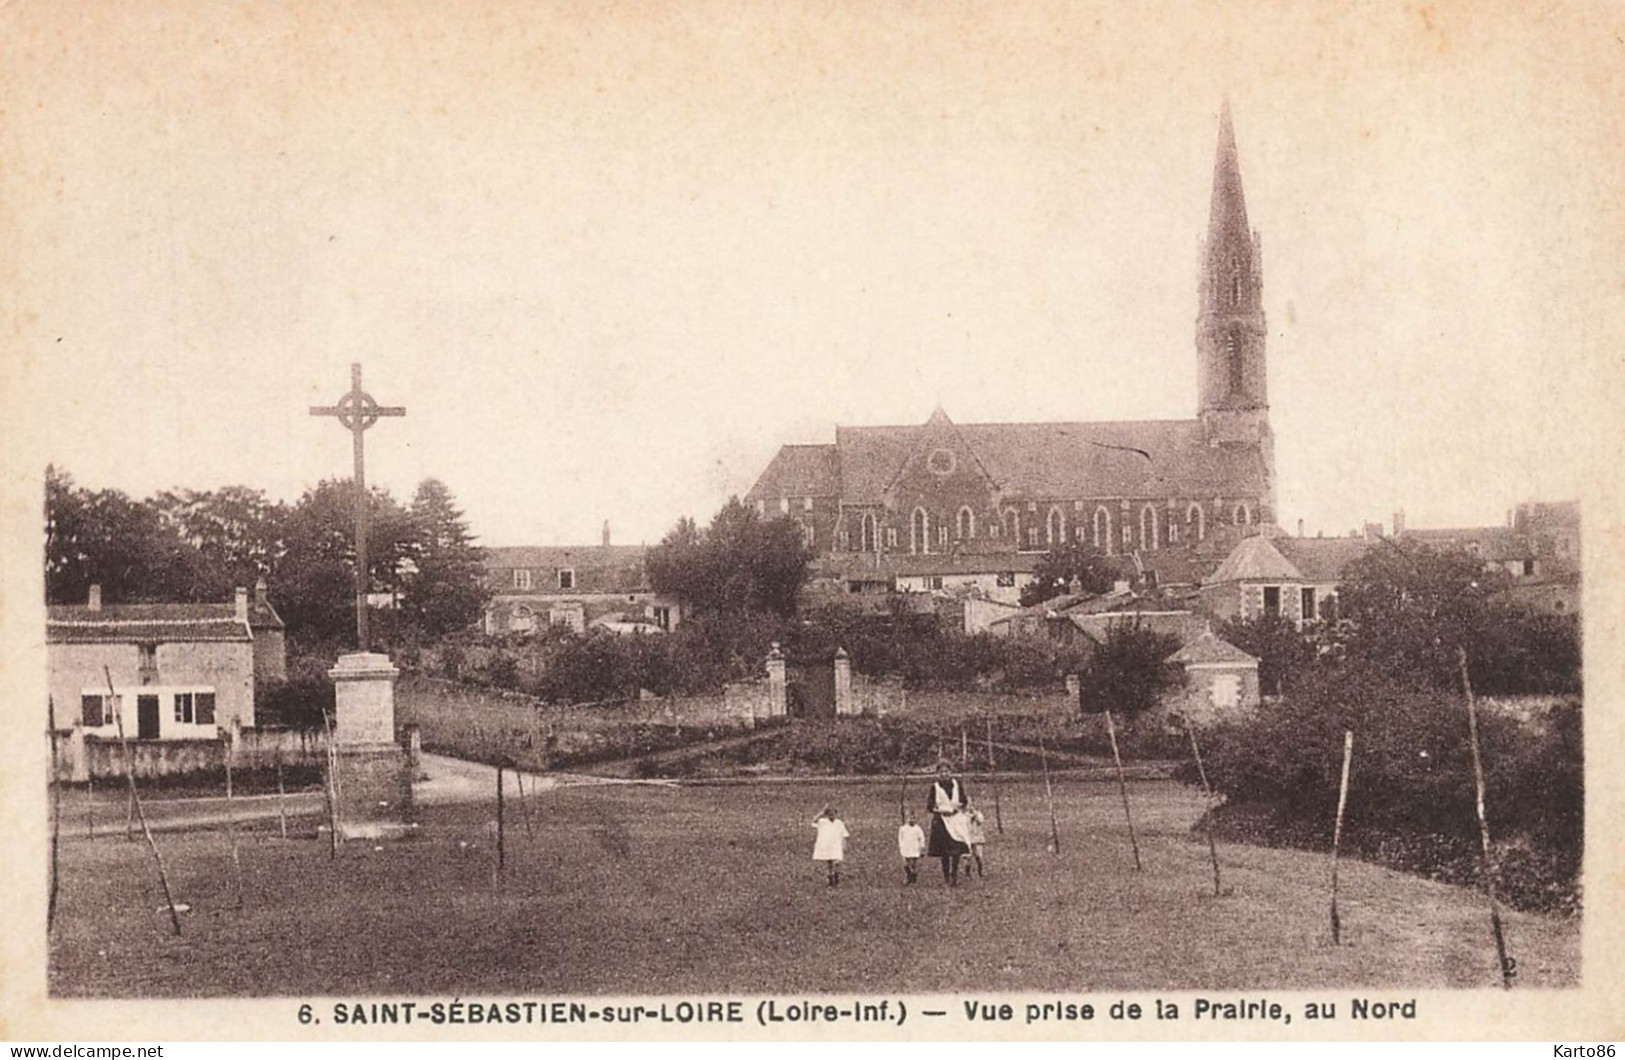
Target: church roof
[[1255, 559], [1058, 461], [800, 471]]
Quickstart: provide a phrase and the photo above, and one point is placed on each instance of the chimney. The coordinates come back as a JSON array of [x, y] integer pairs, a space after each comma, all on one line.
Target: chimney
[[1399, 523], [1300, 527], [606, 533], [95, 597], [242, 604]]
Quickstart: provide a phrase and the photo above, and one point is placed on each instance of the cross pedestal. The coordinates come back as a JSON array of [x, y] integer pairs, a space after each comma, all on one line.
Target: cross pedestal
[[373, 776]]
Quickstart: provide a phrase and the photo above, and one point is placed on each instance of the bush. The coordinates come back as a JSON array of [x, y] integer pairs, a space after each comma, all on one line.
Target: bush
[[297, 704], [1411, 787]]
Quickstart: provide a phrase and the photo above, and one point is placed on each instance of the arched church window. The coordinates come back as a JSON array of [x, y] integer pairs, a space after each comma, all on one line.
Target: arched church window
[[1196, 522], [1055, 531], [868, 541], [966, 524], [919, 532], [1103, 530], [1243, 515], [1012, 525], [1233, 360], [1148, 527]]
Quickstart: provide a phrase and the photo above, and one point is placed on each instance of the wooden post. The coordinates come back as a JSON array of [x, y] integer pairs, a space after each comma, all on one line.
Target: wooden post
[[330, 792], [1337, 831], [1508, 965], [964, 750], [231, 826], [501, 851], [90, 798], [281, 796], [135, 800], [1122, 789], [902, 798], [1049, 797], [992, 768], [56, 811], [1207, 824], [129, 819]]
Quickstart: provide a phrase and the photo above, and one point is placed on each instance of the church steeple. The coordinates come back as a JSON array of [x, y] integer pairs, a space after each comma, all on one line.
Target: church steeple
[[1231, 377], [1230, 323]]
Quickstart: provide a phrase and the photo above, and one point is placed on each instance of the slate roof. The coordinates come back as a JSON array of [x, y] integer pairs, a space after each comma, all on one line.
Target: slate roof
[[1210, 648], [143, 624], [1140, 458], [574, 557], [907, 564], [1322, 559], [800, 471], [1255, 559]]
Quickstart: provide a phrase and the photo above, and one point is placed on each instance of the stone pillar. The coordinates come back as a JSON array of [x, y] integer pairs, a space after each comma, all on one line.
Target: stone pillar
[[77, 759], [374, 776], [843, 684], [775, 682]]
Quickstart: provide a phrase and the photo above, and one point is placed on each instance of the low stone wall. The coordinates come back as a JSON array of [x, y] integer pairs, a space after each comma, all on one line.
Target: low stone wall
[[955, 704], [81, 757], [876, 696]]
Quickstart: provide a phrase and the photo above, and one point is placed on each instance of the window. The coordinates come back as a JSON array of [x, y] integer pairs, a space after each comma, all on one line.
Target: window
[[1307, 607], [183, 707], [205, 708], [1148, 527], [1233, 354], [1528, 568], [1196, 522], [966, 524], [891, 537], [1032, 537], [919, 531], [761, 505], [941, 462], [1012, 525], [1243, 515], [1128, 535], [522, 620], [846, 540], [1225, 690], [806, 504], [521, 579], [934, 582], [1272, 601], [567, 579], [94, 711], [1103, 529], [148, 655], [807, 534], [942, 535], [663, 618], [868, 540], [1055, 528], [1077, 532], [1077, 506], [1173, 530], [1007, 579], [784, 505]]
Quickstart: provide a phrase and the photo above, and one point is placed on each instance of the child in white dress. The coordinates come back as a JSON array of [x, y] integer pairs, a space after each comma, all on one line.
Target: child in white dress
[[911, 845], [976, 834], [830, 846]]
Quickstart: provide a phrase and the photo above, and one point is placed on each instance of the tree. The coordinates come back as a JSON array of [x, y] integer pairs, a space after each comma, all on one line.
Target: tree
[[447, 590], [1129, 671], [738, 565], [237, 530], [314, 587], [1282, 651], [1055, 572], [105, 538]]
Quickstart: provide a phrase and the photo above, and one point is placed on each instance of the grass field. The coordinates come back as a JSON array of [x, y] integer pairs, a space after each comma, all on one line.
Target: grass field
[[665, 890]]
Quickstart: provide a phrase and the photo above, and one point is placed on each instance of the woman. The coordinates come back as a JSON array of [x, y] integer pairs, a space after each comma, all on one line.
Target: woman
[[946, 805]]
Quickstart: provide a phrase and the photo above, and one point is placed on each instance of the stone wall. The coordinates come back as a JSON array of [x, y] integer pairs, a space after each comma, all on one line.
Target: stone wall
[[80, 756]]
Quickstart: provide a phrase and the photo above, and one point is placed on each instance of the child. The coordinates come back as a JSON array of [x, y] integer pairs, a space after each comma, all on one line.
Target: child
[[977, 836], [830, 846], [910, 844]]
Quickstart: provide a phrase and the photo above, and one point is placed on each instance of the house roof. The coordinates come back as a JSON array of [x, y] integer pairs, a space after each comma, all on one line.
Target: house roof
[[574, 557], [1186, 625], [261, 615], [1210, 648], [1322, 559], [143, 624], [1254, 559], [855, 565]]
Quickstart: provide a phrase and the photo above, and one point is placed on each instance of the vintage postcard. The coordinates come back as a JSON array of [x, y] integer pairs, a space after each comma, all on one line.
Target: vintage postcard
[[851, 520]]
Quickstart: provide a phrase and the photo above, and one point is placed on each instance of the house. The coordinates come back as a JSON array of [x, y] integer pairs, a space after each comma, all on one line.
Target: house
[[270, 638], [187, 669], [572, 587], [1295, 579], [1221, 680], [947, 495]]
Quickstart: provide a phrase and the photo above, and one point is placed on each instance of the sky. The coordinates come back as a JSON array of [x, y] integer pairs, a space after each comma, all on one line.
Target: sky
[[610, 257]]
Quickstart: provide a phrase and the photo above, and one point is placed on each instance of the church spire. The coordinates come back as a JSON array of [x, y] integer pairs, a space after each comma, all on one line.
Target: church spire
[[1230, 323], [1227, 217]]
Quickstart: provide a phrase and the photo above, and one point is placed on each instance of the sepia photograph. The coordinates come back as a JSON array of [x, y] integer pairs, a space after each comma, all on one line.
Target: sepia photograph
[[885, 520]]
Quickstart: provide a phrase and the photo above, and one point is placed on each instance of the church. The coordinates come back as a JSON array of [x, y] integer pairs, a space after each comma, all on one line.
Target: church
[[984, 500]]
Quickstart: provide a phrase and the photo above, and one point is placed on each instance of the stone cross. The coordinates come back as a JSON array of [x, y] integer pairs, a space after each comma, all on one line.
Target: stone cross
[[357, 411]]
